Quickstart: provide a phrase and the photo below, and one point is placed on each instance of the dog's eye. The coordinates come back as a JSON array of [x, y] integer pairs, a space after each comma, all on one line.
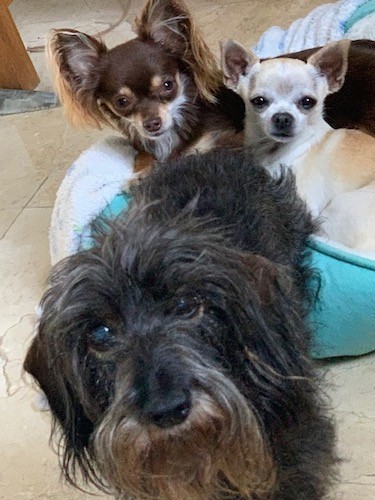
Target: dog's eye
[[122, 102], [259, 102], [101, 338], [307, 102], [168, 85], [188, 306]]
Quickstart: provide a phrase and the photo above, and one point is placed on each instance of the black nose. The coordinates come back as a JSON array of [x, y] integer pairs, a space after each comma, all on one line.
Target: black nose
[[283, 122], [171, 410], [152, 124]]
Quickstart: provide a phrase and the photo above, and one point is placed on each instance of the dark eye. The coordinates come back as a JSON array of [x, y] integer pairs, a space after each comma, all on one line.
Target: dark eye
[[101, 338], [188, 306], [307, 102], [168, 85], [259, 102], [122, 102]]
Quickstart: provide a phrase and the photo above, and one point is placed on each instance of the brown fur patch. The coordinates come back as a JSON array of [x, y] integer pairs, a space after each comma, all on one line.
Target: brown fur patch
[[217, 458], [144, 163]]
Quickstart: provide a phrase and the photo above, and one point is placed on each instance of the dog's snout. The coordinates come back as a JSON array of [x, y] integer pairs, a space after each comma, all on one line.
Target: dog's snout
[[170, 411], [153, 124], [283, 122]]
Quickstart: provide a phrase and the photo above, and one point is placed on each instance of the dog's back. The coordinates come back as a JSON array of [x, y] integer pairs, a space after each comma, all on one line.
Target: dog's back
[[226, 188], [230, 189]]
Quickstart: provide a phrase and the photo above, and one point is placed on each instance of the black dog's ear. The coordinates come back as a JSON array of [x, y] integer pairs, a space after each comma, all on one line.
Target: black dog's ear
[[332, 61], [64, 404], [170, 24], [37, 364], [236, 61], [73, 57], [266, 276]]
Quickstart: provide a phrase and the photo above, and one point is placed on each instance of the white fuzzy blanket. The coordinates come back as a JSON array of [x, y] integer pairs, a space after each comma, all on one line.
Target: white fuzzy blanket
[[91, 183]]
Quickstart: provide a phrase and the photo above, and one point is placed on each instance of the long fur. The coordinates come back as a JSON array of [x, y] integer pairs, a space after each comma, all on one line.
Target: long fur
[[79, 101], [203, 286], [196, 53]]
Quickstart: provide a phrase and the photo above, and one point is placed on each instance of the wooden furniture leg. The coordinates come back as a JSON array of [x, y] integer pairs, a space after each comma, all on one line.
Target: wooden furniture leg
[[16, 69]]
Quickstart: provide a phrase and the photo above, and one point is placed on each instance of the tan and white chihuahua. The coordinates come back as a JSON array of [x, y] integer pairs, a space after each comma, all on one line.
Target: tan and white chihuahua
[[284, 125]]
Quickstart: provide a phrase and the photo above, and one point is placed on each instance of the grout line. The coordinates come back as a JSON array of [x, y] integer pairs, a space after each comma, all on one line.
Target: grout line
[[11, 224], [35, 192], [23, 208]]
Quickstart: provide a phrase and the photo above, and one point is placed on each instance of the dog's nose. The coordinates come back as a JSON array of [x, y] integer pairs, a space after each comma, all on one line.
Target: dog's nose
[[170, 411], [152, 124], [283, 122]]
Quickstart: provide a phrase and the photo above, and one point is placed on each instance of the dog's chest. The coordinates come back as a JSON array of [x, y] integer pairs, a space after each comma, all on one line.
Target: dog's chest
[[311, 163], [162, 147]]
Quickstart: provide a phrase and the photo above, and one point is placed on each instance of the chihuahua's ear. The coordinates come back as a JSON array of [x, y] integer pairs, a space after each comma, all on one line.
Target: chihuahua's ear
[[166, 22], [332, 62], [236, 60], [74, 58], [170, 24]]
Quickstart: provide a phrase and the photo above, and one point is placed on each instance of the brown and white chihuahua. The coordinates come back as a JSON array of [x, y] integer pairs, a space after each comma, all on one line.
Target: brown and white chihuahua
[[162, 90], [284, 125]]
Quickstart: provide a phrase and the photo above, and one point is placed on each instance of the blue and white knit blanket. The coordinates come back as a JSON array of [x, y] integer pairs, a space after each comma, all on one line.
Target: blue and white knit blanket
[[352, 19]]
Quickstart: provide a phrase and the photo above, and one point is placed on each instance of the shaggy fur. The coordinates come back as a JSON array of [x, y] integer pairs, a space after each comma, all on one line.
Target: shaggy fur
[[174, 355], [162, 90]]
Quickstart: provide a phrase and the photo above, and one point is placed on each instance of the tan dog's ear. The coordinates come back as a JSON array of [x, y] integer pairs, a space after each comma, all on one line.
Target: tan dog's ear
[[332, 62], [236, 60], [74, 57]]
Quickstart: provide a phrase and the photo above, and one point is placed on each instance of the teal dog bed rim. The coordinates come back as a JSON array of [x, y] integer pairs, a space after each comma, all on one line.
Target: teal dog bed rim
[[341, 255]]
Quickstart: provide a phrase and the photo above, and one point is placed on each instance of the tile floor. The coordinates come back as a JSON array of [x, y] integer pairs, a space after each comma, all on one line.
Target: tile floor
[[35, 151]]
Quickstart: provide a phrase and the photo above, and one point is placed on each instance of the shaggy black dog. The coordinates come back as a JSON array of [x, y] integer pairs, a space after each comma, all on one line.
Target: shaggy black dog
[[174, 355]]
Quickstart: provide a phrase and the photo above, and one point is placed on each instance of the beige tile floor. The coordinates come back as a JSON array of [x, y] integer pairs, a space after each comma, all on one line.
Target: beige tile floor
[[35, 150]]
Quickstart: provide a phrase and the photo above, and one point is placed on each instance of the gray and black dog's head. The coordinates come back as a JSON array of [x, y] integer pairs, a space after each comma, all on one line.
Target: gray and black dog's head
[[169, 356]]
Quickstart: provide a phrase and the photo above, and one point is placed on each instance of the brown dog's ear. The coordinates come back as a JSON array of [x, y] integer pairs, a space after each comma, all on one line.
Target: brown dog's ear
[[166, 22], [332, 62], [236, 60], [169, 23], [73, 58]]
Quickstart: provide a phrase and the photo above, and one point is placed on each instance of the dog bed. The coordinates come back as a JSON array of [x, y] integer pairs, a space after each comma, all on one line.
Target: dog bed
[[97, 185]]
